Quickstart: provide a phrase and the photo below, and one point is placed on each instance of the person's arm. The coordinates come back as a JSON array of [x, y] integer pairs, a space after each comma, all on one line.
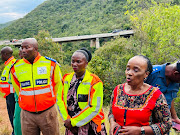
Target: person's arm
[[174, 114], [61, 104], [14, 80], [57, 78], [93, 108], [112, 122], [161, 116]]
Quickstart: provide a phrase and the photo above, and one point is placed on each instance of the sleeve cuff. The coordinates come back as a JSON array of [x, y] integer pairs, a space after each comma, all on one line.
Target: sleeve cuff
[[72, 122]]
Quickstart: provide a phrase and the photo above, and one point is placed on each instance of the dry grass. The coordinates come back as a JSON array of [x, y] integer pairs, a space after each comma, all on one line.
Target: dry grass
[[5, 131], [61, 125], [1, 119]]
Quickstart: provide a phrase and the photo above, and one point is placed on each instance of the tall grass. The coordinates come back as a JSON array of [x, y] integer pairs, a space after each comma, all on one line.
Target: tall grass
[[5, 131]]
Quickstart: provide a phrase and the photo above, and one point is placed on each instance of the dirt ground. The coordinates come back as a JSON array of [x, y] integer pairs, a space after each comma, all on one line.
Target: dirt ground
[[5, 125]]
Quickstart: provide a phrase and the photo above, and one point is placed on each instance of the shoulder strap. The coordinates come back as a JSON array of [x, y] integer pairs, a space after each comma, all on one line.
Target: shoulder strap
[[13, 65], [48, 58], [156, 68]]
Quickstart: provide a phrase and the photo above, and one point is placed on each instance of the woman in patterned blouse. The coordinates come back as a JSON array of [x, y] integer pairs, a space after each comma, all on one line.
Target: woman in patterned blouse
[[136, 106]]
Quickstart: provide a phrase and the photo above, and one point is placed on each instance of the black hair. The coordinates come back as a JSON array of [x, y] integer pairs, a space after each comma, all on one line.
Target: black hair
[[86, 53], [149, 65]]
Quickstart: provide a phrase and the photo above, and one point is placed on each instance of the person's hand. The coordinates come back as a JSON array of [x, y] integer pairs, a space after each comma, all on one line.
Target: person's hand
[[130, 130], [113, 124], [177, 120], [67, 124], [74, 130]]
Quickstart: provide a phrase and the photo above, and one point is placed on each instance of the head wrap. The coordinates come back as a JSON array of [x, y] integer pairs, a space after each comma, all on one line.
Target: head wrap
[[86, 53]]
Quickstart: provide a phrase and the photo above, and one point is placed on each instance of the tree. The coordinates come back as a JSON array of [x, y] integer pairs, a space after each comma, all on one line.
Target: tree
[[161, 26], [47, 47], [109, 63]]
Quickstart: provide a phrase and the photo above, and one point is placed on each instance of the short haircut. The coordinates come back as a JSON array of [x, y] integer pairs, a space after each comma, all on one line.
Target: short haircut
[[149, 65]]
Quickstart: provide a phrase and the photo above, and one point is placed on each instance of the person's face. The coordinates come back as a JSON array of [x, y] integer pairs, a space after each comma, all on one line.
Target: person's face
[[28, 50], [136, 71], [78, 63]]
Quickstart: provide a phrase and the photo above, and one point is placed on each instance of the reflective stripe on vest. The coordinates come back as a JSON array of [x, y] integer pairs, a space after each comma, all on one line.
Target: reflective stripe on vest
[[88, 118], [86, 83], [51, 87], [35, 92], [15, 74], [4, 85], [11, 89]]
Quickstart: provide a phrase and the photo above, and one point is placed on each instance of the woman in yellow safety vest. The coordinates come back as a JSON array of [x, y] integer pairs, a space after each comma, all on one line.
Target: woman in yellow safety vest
[[81, 99]]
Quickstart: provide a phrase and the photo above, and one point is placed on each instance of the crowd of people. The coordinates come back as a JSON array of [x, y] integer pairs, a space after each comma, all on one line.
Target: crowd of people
[[33, 84]]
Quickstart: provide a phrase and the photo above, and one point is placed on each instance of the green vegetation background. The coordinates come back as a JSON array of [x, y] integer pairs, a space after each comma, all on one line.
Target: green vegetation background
[[156, 25]]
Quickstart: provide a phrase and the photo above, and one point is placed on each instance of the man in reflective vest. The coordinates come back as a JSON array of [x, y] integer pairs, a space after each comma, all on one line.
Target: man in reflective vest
[[36, 80], [5, 87]]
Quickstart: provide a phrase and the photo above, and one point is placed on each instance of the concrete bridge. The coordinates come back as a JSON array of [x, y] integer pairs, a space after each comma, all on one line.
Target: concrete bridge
[[94, 39]]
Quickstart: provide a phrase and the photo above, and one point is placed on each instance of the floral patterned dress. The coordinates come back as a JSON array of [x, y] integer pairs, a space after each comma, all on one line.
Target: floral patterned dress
[[149, 108]]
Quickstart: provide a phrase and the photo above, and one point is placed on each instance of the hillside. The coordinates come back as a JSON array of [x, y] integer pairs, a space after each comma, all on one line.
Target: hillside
[[5, 24], [70, 18]]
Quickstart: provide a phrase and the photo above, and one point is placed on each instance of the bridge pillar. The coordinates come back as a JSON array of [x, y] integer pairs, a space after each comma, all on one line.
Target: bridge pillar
[[97, 43], [60, 47], [93, 43]]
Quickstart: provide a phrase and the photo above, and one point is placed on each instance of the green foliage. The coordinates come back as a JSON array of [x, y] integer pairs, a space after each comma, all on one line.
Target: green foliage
[[5, 24], [70, 18], [109, 63], [47, 47], [157, 29], [70, 48], [161, 25]]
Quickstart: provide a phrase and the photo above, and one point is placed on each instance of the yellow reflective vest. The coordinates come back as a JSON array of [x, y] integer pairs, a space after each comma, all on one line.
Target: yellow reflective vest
[[37, 83], [5, 87], [91, 109]]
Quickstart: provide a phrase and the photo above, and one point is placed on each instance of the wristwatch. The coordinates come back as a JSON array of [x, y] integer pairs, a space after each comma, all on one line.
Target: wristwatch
[[142, 131]]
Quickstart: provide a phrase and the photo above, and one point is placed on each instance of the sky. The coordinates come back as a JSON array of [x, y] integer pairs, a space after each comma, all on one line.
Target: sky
[[14, 9]]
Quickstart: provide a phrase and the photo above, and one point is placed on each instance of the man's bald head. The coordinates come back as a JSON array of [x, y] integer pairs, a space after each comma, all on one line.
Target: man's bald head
[[7, 49], [31, 41], [29, 49], [6, 53]]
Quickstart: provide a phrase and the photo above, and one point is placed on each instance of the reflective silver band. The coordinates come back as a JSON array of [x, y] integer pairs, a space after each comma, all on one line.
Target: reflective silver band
[[66, 82], [4, 85], [11, 89], [35, 92], [86, 83], [94, 113], [44, 61], [19, 65]]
